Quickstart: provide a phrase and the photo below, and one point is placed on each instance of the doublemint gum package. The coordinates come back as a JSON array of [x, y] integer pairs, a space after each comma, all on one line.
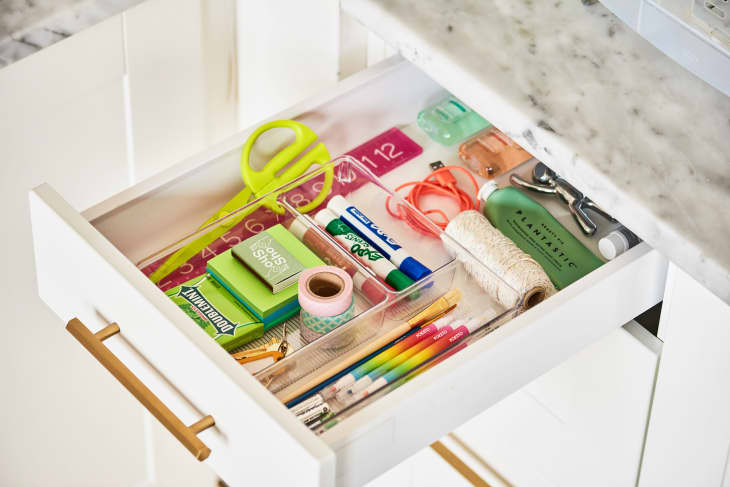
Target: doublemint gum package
[[216, 311]]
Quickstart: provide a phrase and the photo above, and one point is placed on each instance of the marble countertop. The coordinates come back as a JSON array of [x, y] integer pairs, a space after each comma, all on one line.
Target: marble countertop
[[27, 26], [647, 140]]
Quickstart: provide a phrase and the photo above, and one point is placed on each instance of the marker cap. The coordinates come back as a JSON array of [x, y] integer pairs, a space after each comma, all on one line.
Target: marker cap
[[338, 204], [398, 280], [487, 189], [345, 381], [441, 322], [478, 321], [324, 216], [360, 385], [380, 382], [298, 227], [613, 245], [414, 269]]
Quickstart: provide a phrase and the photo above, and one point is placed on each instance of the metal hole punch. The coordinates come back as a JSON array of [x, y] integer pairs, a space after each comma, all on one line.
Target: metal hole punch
[[546, 181]]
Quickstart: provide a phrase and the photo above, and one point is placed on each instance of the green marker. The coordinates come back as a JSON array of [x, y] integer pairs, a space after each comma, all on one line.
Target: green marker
[[362, 251]]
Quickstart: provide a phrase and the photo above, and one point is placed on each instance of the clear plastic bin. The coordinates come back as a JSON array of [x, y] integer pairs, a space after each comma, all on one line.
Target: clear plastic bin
[[372, 319]]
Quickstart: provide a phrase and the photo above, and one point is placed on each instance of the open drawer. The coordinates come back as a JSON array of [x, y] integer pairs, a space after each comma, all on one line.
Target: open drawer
[[86, 266]]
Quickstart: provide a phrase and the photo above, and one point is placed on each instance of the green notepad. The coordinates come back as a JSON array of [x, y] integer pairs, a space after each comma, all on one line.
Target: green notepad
[[216, 311], [269, 260], [250, 290]]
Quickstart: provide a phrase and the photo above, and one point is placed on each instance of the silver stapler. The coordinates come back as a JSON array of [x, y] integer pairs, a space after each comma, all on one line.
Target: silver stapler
[[545, 180]]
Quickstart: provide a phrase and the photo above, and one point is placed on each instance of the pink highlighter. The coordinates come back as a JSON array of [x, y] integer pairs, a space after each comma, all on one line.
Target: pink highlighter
[[343, 384], [444, 328], [427, 353]]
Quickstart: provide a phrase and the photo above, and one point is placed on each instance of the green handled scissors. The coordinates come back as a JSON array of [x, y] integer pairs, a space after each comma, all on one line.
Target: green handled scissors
[[258, 184]]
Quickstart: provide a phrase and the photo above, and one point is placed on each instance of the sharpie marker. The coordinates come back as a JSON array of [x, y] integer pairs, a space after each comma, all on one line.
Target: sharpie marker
[[429, 352], [362, 250], [443, 329], [377, 238], [384, 357]]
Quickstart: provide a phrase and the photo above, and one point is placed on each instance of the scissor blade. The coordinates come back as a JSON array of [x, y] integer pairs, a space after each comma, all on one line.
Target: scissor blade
[[191, 249]]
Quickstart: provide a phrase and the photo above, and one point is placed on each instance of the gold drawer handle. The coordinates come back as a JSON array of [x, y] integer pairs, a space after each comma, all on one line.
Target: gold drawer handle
[[185, 434]]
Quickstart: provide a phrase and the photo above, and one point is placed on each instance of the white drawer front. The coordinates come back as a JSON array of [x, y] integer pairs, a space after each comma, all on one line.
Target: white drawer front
[[86, 274], [458, 389], [80, 274], [587, 415]]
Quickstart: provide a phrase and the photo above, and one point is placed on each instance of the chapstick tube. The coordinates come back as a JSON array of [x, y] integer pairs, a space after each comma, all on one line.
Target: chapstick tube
[[377, 238], [359, 248], [303, 230]]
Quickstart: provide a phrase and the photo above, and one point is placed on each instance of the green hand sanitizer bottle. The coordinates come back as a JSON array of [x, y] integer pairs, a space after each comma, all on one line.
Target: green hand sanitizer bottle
[[534, 230]]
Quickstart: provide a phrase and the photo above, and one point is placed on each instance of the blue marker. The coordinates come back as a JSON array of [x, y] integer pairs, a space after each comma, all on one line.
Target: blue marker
[[377, 238]]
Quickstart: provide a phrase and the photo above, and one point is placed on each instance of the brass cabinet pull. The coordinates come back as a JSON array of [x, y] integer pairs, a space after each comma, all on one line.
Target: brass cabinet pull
[[185, 434], [458, 464]]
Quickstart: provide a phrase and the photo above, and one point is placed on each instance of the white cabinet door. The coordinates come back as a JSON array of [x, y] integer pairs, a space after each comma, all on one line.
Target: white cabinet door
[[585, 419], [66, 421], [181, 65], [424, 469], [688, 441], [67, 118], [171, 465], [288, 50]]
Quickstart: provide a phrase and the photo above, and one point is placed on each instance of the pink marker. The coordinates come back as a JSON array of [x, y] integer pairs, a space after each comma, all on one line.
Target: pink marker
[[383, 357], [427, 353], [444, 328]]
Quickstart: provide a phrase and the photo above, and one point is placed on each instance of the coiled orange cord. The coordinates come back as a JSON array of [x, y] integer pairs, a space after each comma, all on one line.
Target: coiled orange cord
[[442, 183]]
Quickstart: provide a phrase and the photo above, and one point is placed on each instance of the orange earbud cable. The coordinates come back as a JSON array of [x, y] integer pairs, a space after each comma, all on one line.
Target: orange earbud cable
[[441, 183]]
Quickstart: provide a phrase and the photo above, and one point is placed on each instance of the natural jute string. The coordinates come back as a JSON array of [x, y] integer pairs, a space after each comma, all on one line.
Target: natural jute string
[[500, 255]]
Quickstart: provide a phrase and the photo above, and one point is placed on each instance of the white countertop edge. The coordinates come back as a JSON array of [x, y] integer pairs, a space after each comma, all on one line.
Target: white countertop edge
[[547, 148]]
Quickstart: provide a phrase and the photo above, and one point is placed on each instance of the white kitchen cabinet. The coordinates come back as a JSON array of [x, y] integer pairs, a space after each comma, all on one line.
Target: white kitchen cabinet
[[197, 378], [181, 64], [66, 120], [170, 463], [424, 469], [585, 419], [688, 439], [283, 60], [67, 422], [287, 51]]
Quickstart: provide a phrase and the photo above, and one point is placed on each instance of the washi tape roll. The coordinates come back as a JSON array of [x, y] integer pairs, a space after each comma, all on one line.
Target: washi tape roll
[[325, 295]]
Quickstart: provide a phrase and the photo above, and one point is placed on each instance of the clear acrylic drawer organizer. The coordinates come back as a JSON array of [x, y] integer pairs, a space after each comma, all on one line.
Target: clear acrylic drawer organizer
[[365, 191]]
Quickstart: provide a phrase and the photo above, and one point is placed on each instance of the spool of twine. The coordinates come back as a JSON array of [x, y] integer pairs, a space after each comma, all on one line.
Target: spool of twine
[[508, 263]]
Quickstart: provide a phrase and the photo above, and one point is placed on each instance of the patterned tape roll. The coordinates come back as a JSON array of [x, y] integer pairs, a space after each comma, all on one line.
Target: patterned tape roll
[[325, 295], [314, 326]]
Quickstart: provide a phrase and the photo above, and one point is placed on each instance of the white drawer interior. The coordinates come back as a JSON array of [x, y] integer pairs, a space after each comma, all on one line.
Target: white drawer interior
[[379, 433]]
